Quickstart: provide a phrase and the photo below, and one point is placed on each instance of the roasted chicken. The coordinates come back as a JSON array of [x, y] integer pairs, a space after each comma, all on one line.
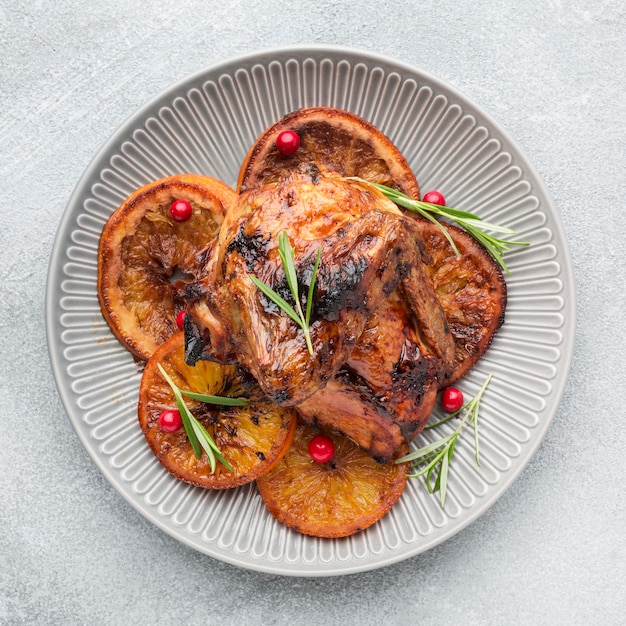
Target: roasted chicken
[[381, 345], [385, 392]]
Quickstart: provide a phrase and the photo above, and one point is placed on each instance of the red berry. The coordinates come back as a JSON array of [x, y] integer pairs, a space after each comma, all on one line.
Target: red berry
[[434, 197], [451, 399], [170, 421], [321, 449], [180, 319], [180, 210], [287, 142]]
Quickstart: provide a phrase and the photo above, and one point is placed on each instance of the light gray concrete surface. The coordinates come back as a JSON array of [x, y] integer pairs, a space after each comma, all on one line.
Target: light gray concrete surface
[[552, 550]]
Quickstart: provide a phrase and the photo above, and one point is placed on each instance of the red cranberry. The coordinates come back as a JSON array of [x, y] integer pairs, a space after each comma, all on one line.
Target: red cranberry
[[180, 210], [434, 197], [180, 319], [321, 449], [451, 399], [287, 142], [170, 421]]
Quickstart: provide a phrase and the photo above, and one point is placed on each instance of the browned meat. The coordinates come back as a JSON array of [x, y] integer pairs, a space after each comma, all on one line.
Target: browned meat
[[381, 345], [385, 392]]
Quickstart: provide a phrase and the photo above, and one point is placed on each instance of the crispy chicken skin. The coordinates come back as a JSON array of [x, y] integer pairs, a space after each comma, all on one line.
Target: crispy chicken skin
[[386, 390], [381, 345]]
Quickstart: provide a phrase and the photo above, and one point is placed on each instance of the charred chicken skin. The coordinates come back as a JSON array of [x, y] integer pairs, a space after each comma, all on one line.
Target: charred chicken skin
[[386, 390], [381, 345]]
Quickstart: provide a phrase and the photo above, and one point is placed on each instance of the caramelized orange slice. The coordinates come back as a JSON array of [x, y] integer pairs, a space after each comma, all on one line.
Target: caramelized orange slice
[[251, 438], [146, 258], [340, 141], [471, 290], [333, 499]]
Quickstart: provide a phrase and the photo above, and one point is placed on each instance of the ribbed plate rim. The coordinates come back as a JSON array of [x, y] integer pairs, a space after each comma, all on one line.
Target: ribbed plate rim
[[166, 96]]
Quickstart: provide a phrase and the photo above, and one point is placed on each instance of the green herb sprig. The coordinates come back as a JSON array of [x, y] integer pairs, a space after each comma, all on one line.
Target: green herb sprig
[[469, 222], [435, 457], [199, 437], [301, 318]]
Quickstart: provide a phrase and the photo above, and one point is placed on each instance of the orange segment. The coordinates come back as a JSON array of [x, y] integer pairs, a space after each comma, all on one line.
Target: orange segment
[[333, 499], [146, 258], [251, 438], [338, 140]]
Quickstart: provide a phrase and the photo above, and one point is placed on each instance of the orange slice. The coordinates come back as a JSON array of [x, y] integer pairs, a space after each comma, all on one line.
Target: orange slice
[[146, 258], [340, 141], [471, 290], [252, 438], [333, 499]]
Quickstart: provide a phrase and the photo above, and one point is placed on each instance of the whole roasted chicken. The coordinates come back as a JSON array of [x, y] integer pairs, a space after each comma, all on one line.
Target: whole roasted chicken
[[380, 342]]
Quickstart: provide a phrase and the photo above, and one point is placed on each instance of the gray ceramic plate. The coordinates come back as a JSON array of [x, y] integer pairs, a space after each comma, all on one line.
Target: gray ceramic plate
[[206, 125]]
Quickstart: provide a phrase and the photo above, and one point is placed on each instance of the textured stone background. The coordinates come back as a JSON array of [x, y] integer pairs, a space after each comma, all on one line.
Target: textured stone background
[[551, 550]]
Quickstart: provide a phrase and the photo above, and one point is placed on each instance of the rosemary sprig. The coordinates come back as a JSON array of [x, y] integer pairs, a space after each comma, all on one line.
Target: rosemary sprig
[[435, 457], [469, 222], [199, 437], [303, 319]]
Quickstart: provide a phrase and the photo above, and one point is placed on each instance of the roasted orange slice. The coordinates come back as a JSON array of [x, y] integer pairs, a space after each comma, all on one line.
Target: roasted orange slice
[[471, 289], [333, 499], [251, 438], [340, 141], [146, 257]]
